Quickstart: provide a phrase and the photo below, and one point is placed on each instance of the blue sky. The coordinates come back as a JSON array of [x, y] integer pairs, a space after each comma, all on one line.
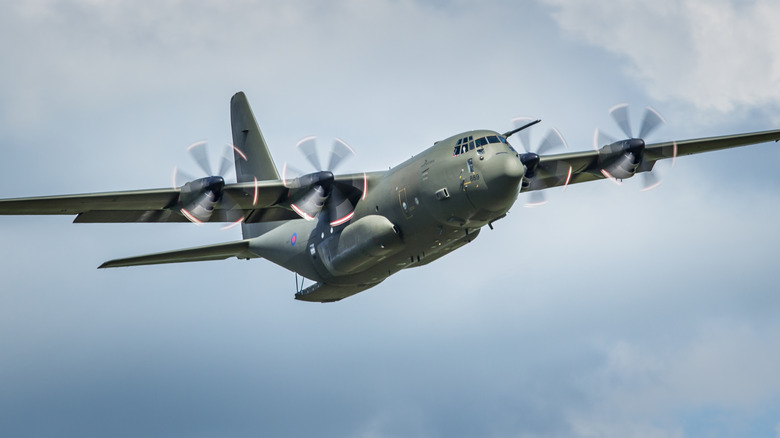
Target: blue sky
[[607, 312]]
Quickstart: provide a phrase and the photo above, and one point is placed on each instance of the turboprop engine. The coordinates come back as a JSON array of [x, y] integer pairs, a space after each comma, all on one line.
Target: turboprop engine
[[621, 159]]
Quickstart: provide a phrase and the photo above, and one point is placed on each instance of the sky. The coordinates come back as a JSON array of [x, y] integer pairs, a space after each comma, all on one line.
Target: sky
[[608, 312]]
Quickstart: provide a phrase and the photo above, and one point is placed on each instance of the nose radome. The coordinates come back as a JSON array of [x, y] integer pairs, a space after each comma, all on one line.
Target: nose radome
[[502, 175], [513, 169]]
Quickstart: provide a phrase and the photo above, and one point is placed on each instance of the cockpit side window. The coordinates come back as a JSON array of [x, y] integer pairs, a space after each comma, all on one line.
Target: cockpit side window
[[466, 144]]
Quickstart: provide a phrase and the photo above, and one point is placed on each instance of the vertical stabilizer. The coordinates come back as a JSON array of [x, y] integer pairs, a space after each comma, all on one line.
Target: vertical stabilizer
[[256, 161], [248, 138]]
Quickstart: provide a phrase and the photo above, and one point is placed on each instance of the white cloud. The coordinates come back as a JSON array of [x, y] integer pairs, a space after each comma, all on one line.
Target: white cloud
[[713, 54], [725, 364]]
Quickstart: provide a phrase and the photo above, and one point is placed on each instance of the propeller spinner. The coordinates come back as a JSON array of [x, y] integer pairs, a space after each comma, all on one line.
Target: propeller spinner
[[313, 193], [552, 140], [621, 159], [199, 196]]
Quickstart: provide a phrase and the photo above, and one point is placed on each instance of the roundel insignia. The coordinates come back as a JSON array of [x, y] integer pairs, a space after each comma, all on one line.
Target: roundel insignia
[[293, 239]]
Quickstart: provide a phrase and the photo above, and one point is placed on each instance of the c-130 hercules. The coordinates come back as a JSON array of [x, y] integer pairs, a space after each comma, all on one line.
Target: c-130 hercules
[[359, 229]]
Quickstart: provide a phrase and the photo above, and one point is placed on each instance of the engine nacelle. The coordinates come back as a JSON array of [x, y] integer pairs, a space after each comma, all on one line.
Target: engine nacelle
[[198, 198], [623, 167], [621, 159], [361, 244]]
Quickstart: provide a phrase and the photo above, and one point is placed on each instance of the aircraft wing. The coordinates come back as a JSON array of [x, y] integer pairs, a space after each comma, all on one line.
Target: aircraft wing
[[156, 205], [577, 167], [261, 201]]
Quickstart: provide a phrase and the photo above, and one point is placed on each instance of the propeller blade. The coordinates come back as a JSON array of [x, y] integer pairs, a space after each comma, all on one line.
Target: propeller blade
[[234, 215], [311, 203], [601, 139], [308, 147], [339, 152], [290, 173], [354, 188], [180, 177], [619, 113], [200, 155], [651, 121], [551, 141], [535, 199], [339, 208], [226, 164], [650, 181], [200, 210], [312, 193]]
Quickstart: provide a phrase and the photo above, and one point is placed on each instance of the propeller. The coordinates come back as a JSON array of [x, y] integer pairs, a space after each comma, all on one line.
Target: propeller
[[623, 158], [199, 196], [531, 157], [320, 191]]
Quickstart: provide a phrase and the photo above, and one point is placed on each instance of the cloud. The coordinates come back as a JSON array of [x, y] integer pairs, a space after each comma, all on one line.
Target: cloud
[[658, 388], [712, 54]]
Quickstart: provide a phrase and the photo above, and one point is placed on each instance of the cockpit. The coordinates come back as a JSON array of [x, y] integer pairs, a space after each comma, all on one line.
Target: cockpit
[[466, 144]]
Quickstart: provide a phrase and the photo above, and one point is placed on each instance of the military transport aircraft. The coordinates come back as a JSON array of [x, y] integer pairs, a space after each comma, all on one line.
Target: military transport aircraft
[[348, 233]]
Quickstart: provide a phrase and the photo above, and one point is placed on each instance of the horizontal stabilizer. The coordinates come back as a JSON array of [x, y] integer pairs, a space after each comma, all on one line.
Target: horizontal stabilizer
[[220, 251]]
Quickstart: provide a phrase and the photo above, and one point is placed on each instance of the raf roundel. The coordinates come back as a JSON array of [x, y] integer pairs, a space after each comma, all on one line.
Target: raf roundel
[[293, 239]]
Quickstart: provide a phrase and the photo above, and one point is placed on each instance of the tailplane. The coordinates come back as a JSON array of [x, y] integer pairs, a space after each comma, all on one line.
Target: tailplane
[[253, 160]]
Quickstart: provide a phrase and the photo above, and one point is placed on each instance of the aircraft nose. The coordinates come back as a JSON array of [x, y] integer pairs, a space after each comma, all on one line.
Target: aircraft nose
[[503, 175], [513, 169]]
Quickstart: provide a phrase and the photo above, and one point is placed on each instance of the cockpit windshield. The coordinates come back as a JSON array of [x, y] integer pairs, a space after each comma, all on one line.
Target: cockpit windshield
[[466, 144]]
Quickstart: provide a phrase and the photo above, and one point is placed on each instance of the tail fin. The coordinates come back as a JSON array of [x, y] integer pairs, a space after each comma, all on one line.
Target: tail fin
[[248, 138], [256, 161]]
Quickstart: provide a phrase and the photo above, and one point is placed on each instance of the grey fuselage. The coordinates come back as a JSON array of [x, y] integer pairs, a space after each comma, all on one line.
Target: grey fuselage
[[410, 215]]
